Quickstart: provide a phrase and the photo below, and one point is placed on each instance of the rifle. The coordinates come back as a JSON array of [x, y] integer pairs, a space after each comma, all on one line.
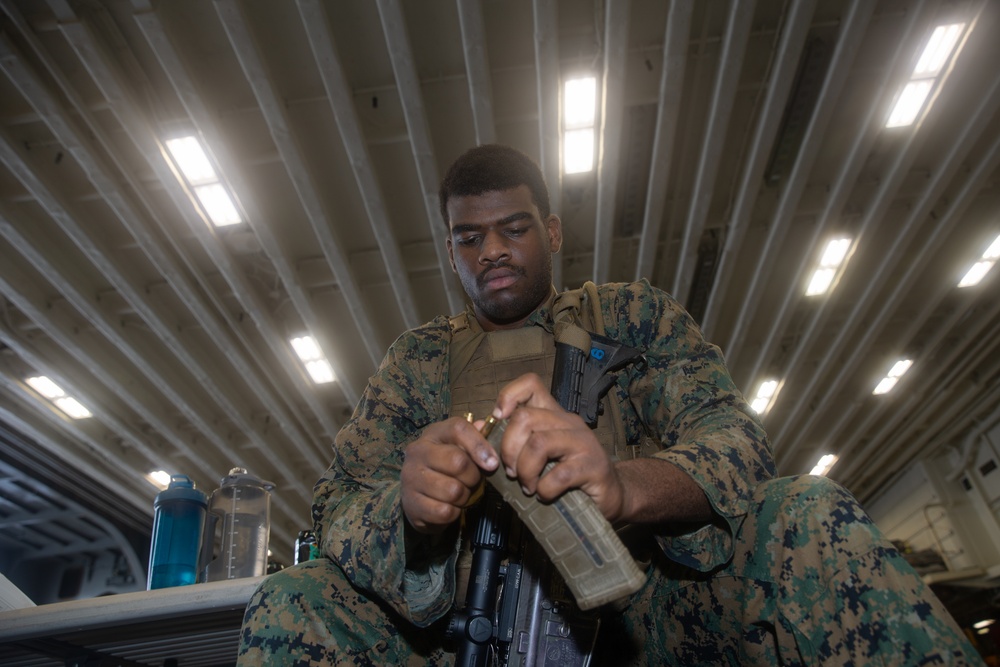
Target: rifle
[[537, 621]]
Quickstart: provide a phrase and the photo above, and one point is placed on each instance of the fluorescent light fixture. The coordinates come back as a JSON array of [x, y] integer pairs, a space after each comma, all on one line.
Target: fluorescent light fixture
[[54, 393], [580, 102], [978, 625], [993, 252], [938, 50], [835, 252], [218, 205], [976, 274], [979, 270], [578, 151], [765, 394], [936, 54], [158, 478], [45, 387], [320, 371], [833, 256], [72, 407], [316, 364], [579, 115], [910, 102], [824, 464], [820, 282], [193, 162], [890, 380]]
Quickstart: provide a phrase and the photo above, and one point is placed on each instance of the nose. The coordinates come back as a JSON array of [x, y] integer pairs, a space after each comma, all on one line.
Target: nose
[[494, 248]]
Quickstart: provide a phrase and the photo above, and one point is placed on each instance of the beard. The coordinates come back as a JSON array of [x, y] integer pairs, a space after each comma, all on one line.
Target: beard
[[507, 306]]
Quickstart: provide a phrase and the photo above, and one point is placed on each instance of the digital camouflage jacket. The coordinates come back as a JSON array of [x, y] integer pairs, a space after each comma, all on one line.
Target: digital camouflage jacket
[[684, 399]]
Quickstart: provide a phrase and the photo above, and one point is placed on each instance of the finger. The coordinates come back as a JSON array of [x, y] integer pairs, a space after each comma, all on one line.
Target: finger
[[526, 426], [529, 389], [467, 436]]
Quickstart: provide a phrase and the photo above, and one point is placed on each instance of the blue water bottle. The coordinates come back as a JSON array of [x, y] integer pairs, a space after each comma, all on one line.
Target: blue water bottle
[[178, 523]]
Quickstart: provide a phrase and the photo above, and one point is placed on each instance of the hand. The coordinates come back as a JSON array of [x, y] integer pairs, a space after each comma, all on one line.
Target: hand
[[441, 470], [540, 431]]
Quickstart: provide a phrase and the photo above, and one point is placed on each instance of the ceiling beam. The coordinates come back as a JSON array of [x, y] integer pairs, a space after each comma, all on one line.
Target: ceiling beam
[[204, 119], [862, 341], [723, 97], [849, 41], [866, 133], [668, 111], [794, 31], [896, 172], [616, 24], [477, 69], [412, 99], [545, 15], [155, 246]]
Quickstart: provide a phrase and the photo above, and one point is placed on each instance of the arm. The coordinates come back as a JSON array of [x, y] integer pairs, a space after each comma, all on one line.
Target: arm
[[712, 448], [357, 507]]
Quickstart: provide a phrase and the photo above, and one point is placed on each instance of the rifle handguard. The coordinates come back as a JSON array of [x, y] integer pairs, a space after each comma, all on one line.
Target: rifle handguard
[[589, 555]]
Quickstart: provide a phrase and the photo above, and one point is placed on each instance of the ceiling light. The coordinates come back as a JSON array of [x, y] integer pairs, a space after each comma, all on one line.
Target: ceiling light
[[158, 478], [579, 102], [218, 205], [979, 270], [55, 394], [45, 387], [830, 262], [197, 169], [910, 102], [579, 106], [890, 380], [824, 464], [191, 159], [938, 50], [578, 151], [312, 356], [976, 274], [820, 282], [978, 625], [993, 252], [764, 397]]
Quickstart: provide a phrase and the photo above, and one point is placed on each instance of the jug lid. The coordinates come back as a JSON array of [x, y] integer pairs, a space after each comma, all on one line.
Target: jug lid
[[181, 487], [240, 477]]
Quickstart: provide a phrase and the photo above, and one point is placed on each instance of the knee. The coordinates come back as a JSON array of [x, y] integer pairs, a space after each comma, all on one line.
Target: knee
[[809, 508], [304, 585]]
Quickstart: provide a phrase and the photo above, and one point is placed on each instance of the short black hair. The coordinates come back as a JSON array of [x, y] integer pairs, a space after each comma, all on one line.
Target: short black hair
[[492, 167]]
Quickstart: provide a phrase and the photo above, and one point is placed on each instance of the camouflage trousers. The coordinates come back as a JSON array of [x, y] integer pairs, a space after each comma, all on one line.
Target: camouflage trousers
[[811, 582]]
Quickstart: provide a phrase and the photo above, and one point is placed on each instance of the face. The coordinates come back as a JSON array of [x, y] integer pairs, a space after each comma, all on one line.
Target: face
[[502, 251]]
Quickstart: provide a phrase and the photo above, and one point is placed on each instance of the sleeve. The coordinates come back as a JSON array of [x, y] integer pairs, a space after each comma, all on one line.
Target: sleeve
[[687, 400], [356, 504]]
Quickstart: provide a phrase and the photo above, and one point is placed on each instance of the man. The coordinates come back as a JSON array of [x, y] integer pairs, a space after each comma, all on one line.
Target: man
[[744, 568]]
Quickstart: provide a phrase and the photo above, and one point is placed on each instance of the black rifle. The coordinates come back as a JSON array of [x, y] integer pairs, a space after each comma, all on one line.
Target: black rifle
[[536, 615]]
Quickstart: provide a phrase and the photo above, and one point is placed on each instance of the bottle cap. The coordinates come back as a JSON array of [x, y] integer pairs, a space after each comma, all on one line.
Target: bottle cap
[[181, 487]]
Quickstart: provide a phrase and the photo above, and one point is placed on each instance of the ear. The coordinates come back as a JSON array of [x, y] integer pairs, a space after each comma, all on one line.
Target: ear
[[553, 226], [451, 254]]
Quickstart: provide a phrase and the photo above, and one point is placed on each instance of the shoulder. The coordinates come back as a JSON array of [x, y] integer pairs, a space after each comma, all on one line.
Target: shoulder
[[426, 344]]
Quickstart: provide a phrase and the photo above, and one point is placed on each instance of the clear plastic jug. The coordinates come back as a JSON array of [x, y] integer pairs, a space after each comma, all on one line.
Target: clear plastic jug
[[178, 524], [238, 527]]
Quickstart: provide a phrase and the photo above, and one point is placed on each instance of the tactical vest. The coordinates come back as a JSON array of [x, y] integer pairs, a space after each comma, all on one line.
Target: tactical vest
[[481, 363]]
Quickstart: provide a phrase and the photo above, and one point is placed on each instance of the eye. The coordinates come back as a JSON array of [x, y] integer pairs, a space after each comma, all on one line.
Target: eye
[[517, 231], [467, 241]]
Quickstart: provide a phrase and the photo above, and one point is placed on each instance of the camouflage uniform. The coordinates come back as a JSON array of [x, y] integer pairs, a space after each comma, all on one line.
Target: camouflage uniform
[[791, 572]]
